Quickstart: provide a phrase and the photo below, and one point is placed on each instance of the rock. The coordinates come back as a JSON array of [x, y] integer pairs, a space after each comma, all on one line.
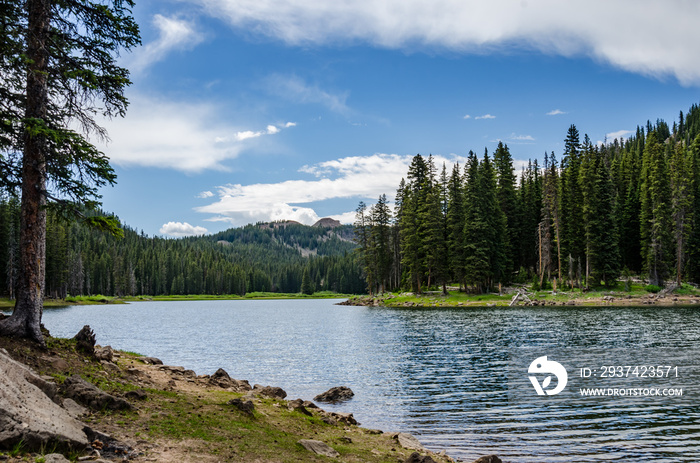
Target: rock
[[409, 442], [270, 391], [345, 440], [136, 394], [92, 397], [319, 448], [27, 412], [110, 366], [55, 458], [172, 369], [74, 409], [151, 360], [85, 341], [335, 394], [246, 407], [298, 406], [416, 457], [488, 459], [334, 418], [309, 404], [56, 363], [104, 353], [221, 379]]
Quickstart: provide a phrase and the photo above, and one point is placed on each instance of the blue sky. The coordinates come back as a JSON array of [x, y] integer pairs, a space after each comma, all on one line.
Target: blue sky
[[257, 110]]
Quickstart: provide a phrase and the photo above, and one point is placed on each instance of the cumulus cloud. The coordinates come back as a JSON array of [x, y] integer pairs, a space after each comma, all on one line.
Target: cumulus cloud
[[360, 177], [656, 38], [190, 137], [174, 34], [485, 116], [180, 229], [205, 195], [555, 112]]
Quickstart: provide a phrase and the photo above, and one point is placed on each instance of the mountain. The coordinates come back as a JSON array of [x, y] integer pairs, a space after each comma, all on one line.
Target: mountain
[[261, 257]]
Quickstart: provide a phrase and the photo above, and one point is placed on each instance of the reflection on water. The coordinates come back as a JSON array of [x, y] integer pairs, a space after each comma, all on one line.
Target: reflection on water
[[441, 374]]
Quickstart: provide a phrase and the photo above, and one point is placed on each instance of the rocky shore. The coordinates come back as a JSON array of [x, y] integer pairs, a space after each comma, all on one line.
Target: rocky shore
[[71, 403]]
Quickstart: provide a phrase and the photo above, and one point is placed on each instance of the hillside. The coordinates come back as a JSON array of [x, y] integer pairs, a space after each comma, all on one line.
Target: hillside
[[262, 257]]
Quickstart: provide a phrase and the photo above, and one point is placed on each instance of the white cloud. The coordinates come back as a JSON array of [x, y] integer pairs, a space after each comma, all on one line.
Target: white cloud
[[467, 116], [361, 177], [655, 38], [180, 229], [515, 137], [555, 112], [296, 89], [620, 135], [205, 195], [174, 34], [485, 116], [190, 137]]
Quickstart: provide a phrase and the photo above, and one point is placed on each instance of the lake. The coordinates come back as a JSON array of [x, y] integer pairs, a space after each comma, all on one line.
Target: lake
[[456, 378]]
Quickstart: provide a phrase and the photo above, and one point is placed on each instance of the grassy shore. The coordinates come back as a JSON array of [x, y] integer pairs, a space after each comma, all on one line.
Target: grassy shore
[[185, 418], [99, 299], [624, 294]]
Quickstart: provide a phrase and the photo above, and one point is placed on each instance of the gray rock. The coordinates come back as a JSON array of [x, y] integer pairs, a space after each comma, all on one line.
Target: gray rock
[[151, 360], [488, 459], [91, 396], [55, 458], [298, 406], [246, 407], [136, 394], [409, 442], [319, 448], [221, 379], [416, 457], [270, 391], [74, 409], [27, 412], [104, 353], [56, 363], [335, 394]]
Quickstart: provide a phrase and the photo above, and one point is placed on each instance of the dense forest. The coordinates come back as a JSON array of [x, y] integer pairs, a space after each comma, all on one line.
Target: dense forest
[[277, 257], [623, 207]]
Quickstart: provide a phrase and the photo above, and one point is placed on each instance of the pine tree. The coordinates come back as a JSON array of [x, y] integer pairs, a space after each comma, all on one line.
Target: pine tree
[[570, 199], [380, 234], [455, 226], [655, 219], [477, 268], [60, 71], [508, 202], [413, 223], [682, 202]]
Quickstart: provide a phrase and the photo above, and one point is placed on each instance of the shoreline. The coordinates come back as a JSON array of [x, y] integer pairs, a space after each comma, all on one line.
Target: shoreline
[[176, 415]]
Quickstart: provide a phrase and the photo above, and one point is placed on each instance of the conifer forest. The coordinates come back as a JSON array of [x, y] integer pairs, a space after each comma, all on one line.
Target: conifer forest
[[582, 218]]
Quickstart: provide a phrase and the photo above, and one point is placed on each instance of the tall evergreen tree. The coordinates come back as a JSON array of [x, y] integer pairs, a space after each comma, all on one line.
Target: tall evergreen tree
[[61, 70], [655, 218], [570, 199], [455, 226], [508, 203]]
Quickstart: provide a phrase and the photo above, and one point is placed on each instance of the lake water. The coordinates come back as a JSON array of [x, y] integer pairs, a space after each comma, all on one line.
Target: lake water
[[456, 378]]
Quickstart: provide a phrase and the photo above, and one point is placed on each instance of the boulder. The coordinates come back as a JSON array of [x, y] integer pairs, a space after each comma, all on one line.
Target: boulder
[[104, 353], [56, 363], [136, 394], [335, 394], [488, 459], [270, 391], [55, 458], [319, 448], [74, 409], [416, 457], [246, 407], [27, 412], [409, 442], [298, 406], [91, 396], [221, 379], [151, 360]]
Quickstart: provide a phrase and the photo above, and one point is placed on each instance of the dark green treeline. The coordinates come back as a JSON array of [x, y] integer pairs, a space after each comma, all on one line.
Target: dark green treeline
[[596, 213], [263, 257]]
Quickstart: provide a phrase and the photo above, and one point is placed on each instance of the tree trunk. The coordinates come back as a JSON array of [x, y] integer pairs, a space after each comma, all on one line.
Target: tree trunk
[[25, 321]]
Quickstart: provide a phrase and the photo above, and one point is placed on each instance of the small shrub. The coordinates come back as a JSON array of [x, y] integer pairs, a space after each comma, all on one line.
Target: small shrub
[[652, 288]]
